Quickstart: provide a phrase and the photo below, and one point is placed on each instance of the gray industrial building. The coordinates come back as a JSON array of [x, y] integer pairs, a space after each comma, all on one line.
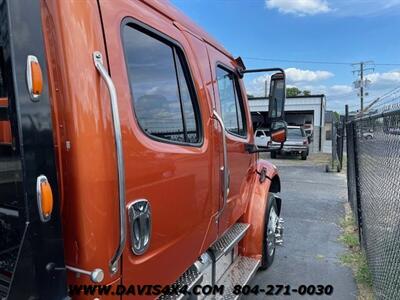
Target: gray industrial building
[[306, 111]]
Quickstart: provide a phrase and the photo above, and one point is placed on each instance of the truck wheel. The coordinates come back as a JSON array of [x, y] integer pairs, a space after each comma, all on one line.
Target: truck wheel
[[271, 222], [273, 154], [304, 155]]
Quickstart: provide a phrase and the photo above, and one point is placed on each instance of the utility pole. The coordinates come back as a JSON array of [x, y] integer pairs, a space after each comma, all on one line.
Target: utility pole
[[362, 83], [362, 86]]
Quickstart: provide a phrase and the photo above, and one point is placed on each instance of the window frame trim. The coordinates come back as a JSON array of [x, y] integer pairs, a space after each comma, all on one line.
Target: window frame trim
[[187, 72], [238, 94]]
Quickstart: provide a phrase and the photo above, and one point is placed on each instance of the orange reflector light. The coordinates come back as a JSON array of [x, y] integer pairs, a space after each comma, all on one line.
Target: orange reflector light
[[34, 77], [279, 136], [45, 198]]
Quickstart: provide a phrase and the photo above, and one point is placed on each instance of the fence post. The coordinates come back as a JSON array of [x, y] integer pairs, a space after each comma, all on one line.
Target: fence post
[[341, 139], [357, 182], [347, 129], [334, 142]]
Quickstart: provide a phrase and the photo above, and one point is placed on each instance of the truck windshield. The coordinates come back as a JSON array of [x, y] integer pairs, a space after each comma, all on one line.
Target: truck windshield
[[11, 195]]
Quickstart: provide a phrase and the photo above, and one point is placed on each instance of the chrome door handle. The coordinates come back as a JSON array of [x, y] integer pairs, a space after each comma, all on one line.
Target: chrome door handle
[[98, 62], [224, 169]]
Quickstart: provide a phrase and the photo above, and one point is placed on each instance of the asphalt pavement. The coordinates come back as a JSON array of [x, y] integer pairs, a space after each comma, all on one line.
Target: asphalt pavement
[[313, 204]]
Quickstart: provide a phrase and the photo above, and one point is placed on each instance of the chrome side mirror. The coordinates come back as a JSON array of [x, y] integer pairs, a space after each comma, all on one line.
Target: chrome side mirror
[[277, 97]]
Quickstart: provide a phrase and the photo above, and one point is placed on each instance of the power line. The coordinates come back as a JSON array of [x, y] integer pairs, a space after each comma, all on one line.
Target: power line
[[378, 100], [314, 62]]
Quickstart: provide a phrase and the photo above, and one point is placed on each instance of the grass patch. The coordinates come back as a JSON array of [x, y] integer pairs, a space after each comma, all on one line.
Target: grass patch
[[354, 257], [350, 240]]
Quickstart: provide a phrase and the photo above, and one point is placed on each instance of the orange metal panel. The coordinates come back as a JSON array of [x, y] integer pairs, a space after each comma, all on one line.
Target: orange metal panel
[[84, 136], [5, 128], [252, 243], [182, 183], [240, 162], [179, 181], [5, 133], [3, 102]]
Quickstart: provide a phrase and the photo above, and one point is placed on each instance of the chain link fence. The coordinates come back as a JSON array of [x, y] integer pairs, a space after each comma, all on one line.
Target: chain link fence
[[373, 172]]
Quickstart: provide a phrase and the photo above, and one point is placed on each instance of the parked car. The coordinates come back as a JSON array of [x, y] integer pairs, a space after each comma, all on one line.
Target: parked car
[[262, 138], [130, 153], [297, 143], [368, 134]]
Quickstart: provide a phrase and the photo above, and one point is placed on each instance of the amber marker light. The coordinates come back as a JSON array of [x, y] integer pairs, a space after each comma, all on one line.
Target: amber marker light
[[34, 77], [279, 136], [44, 198]]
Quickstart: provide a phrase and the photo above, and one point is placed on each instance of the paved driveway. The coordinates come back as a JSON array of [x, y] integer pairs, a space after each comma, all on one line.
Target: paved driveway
[[312, 208]]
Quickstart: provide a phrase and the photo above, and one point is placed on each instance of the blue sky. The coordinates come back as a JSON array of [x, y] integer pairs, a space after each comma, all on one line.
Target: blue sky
[[342, 31]]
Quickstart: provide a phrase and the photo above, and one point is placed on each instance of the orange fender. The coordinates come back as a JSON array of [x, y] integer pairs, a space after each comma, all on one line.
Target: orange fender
[[266, 180]]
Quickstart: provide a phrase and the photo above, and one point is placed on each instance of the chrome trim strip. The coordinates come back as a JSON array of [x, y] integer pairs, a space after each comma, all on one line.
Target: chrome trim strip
[[224, 168], [9, 212], [98, 62], [39, 181]]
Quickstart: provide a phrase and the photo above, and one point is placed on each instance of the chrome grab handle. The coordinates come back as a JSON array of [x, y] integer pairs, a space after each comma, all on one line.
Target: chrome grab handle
[[224, 168], [96, 276], [98, 62]]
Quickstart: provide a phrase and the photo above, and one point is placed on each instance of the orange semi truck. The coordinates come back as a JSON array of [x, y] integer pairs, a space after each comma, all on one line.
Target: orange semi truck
[[127, 154]]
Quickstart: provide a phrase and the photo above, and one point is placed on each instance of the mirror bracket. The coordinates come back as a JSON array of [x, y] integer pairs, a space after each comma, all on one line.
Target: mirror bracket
[[251, 148], [264, 70]]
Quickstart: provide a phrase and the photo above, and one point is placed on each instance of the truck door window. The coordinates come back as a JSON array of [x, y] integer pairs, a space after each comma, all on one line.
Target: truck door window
[[231, 104], [162, 90]]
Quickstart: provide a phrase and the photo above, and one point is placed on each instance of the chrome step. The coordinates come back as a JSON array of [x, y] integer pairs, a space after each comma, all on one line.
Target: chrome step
[[240, 272], [189, 279], [4, 286], [229, 239]]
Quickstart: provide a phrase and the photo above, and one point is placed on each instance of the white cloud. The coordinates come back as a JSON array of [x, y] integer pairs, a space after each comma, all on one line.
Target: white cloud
[[384, 80], [297, 75], [299, 7], [341, 8], [340, 89], [365, 7], [337, 94], [294, 77]]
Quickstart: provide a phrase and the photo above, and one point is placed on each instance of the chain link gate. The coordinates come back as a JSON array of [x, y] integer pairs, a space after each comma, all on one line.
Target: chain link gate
[[373, 172], [338, 133]]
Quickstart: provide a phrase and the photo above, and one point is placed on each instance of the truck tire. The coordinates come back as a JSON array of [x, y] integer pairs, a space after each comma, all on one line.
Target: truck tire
[[271, 221], [304, 155], [273, 154]]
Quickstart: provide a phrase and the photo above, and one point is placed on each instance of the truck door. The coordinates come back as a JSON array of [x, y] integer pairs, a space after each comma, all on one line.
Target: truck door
[[230, 106], [168, 159], [31, 245]]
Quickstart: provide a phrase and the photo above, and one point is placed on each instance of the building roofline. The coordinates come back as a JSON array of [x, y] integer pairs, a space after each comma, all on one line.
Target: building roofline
[[292, 97]]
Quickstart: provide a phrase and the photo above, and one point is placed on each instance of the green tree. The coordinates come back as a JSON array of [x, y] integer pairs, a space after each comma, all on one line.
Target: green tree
[[337, 115], [292, 92], [306, 93]]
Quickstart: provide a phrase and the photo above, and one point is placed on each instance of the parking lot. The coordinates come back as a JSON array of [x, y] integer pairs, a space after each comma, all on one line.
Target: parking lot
[[313, 206]]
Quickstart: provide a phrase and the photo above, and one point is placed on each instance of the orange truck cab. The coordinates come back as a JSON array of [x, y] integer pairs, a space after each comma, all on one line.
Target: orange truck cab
[[127, 155]]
